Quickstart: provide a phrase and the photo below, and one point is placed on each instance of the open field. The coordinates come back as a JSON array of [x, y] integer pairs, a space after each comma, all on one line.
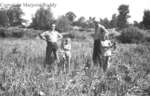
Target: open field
[[22, 72]]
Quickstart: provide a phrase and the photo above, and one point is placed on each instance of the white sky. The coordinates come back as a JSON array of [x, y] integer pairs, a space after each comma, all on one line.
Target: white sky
[[86, 8]]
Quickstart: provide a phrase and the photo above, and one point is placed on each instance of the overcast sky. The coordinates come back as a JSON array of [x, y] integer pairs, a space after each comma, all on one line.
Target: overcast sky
[[86, 8]]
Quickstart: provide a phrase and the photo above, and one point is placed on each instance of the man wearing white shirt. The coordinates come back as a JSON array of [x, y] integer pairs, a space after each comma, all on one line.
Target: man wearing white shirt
[[51, 37]]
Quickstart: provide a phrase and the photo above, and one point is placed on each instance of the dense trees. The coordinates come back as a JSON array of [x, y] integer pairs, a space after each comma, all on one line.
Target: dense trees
[[11, 16], [4, 20], [71, 16], [119, 21], [80, 22], [14, 14], [123, 16], [114, 21], [63, 24], [42, 19], [146, 19], [105, 22]]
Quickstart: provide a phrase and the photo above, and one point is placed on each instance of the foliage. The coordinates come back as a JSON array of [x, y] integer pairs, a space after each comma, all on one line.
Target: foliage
[[4, 20], [71, 16], [146, 19], [131, 35], [43, 19], [11, 16], [123, 16], [77, 35], [81, 22], [22, 72], [14, 14], [90, 22], [63, 24], [132, 69], [15, 32], [105, 22], [114, 21]]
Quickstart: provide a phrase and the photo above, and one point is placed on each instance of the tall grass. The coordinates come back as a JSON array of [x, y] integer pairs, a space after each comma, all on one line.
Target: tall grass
[[22, 72]]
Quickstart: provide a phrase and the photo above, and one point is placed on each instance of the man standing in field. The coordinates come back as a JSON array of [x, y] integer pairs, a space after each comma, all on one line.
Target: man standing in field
[[98, 50], [51, 37]]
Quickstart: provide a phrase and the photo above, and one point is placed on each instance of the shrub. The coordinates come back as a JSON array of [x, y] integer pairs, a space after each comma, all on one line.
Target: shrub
[[42, 19], [63, 24], [131, 35], [147, 36], [16, 32], [2, 32], [86, 29], [147, 39], [76, 35]]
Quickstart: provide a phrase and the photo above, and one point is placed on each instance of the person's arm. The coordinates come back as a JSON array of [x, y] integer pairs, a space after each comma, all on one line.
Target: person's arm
[[43, 35], [59, 35], [101, 26]]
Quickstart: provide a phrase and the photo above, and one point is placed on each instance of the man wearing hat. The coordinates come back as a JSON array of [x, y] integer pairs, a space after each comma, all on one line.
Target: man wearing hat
[[51, 37]]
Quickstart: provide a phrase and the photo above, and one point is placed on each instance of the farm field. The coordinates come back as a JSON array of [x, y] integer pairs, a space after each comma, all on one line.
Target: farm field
[[22, 72], [121, 37]]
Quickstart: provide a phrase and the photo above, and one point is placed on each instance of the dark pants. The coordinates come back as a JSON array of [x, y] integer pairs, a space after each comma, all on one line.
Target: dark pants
[[99, 59], [97, 53], [51, 54], [105, 64]]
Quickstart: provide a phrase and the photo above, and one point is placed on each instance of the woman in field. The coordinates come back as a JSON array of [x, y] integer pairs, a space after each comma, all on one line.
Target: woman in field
[[98, 50], [51, 37]]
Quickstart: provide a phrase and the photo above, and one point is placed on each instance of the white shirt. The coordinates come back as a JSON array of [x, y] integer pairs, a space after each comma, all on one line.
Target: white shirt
[[52, 36], [106, 44], [108, 52], [67, 46]]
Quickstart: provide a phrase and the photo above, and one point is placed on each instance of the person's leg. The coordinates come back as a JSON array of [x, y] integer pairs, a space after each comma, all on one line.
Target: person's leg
[[48, 54], [96, 52], [108, 66], [55, 53], [105, 65], [97, 57], [56, 65], [68, 58], [48, 59], [55, 48]]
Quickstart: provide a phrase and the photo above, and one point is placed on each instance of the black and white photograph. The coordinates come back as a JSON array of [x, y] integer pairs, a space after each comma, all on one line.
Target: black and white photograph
[[74, 47]]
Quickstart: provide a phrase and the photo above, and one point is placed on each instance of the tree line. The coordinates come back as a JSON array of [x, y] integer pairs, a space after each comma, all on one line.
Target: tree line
[[43, 18]]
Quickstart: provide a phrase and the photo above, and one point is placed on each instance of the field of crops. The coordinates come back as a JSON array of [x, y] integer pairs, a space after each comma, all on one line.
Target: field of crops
[[22, 72]]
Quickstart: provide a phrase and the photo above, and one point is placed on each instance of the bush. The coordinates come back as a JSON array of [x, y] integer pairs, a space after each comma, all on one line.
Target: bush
[[16, 32], [76, 35], [131, 35], [147, 39], [86, 30], [42, 19], [63, 24], [147, 36], [2, 32]]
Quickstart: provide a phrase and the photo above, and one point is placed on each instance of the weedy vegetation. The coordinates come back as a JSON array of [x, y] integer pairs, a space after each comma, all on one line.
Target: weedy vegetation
[[22, 72]]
